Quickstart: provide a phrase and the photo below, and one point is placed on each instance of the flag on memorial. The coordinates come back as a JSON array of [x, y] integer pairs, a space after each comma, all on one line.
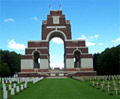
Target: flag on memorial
[[49, 5], [60, 6]]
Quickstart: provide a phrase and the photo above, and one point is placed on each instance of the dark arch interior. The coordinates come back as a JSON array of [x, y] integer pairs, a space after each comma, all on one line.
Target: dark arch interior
[[36, 59], [77, 60]]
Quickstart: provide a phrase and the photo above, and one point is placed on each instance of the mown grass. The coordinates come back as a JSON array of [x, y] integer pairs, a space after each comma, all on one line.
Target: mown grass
[[62, 89]]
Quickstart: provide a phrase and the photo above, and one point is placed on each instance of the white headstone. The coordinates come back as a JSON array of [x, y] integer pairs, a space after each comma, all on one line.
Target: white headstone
[[25, 85], [14, 85], [21, 86], [12, 91], [2, 81], [5, 94], [18, 81], [17, 89], [10, 81], [4, 87], [6, 81], [9, 87]]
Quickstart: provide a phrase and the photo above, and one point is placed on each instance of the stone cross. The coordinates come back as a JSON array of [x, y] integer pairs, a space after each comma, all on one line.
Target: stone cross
[[108, 88], [93, 83], [102, 85], [114, 84], [116, 90], [103, 82], [97, 84], [108, 83]]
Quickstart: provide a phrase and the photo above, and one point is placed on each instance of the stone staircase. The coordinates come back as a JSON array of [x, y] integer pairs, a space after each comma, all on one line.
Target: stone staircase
[[57, 73]]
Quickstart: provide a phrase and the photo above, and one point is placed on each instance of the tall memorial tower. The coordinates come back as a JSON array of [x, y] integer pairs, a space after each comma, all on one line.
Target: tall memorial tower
[[76, 56]]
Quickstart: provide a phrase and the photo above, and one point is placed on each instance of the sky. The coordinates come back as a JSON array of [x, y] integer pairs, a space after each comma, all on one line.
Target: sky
[[96, 21]]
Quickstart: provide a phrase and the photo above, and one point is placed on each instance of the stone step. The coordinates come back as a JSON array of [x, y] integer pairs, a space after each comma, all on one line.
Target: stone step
[[56, 77]]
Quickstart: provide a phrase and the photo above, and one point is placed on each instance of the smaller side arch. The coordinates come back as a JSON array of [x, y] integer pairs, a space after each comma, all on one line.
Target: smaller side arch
[[35, 51], [36, 59], [77, 50], [77, 58]]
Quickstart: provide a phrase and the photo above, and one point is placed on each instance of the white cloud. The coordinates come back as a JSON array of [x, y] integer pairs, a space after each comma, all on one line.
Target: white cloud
[[83, 37], [100, 43], [117, 41], [90, 43], [9, 20], [89, 39], [94, 36], [35, 18], [57, 40], [13, 45]]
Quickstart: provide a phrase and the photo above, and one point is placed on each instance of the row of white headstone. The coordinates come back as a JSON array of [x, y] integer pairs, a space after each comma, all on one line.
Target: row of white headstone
[[16, 84], [107, 82], [37, 79], [97, 78], [12, 90], [17, 80], [109, 77]]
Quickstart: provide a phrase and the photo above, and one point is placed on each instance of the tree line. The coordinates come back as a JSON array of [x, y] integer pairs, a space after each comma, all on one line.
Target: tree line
[[9, 63], [108, 61]]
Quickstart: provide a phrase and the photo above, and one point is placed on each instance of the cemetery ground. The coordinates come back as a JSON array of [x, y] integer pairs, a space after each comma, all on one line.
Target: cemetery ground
[[67, 88]]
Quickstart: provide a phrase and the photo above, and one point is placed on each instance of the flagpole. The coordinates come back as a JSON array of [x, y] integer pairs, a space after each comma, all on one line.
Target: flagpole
[[60, 7], [50, 6]]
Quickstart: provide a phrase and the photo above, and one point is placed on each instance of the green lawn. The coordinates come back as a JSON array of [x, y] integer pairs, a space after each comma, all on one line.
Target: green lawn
[[63, 89]]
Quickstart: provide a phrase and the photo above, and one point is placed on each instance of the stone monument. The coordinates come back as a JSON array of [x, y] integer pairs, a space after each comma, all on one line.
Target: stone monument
[[76, 56]]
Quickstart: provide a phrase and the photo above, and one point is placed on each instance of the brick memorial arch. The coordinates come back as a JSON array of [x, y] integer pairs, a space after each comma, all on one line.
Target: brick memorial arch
[[76, 56]]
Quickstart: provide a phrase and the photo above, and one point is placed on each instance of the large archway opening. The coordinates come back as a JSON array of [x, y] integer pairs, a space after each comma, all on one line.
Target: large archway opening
[[56, 52], [36, 56], [56, 49]]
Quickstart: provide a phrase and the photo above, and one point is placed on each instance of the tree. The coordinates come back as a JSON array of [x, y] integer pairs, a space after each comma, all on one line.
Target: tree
[[108, 62], [95, 56], [4, 70], [12, 59]]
